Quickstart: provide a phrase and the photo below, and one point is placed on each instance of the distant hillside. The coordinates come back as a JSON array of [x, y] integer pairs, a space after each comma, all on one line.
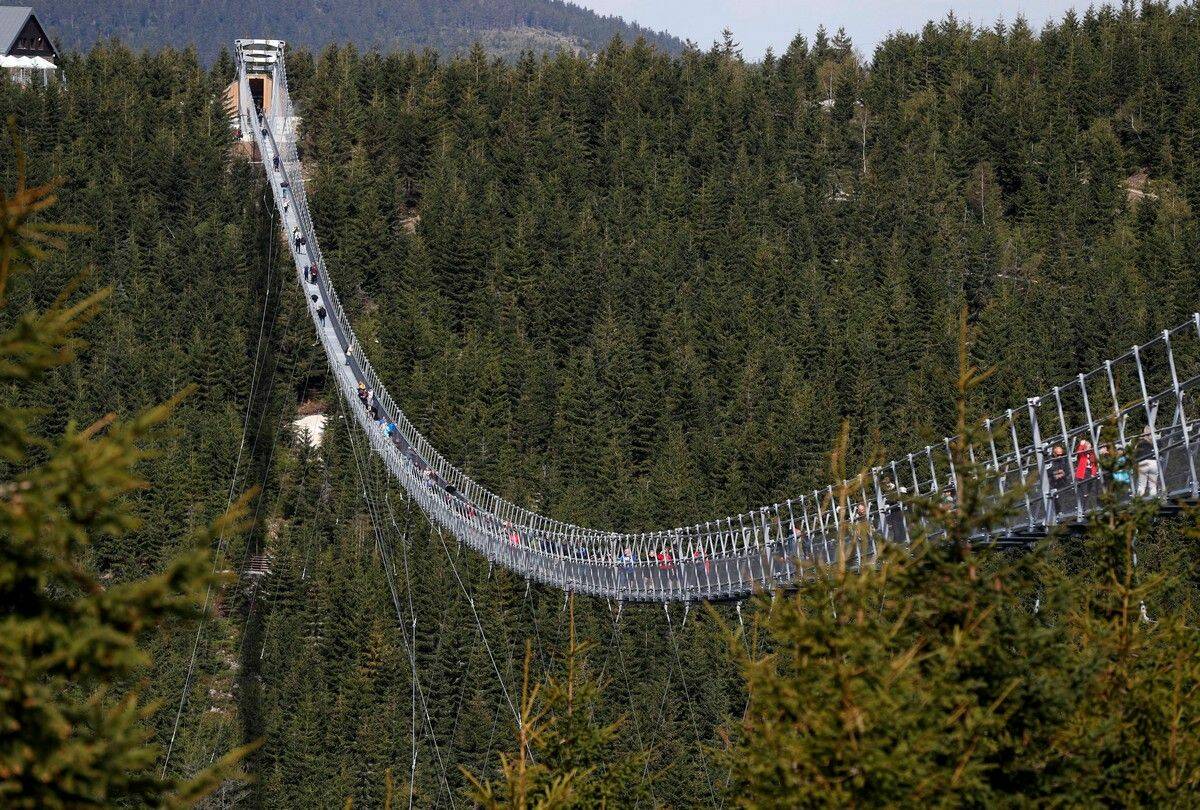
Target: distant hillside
[[505, 27]]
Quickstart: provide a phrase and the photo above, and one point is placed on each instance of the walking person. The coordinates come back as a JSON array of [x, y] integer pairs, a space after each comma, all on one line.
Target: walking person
[[1119, 464], [1147, 465], [700, 562], [296, 237], [626, 569], [321, 314], [1059, 474], [666, 567], [1087, 469]]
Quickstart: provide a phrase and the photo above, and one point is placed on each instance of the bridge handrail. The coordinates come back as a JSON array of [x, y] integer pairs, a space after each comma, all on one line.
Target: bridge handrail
[[754, 547]]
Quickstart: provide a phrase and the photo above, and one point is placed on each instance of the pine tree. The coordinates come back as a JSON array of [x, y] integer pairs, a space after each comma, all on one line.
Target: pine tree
[[74, 733], [563, 758]]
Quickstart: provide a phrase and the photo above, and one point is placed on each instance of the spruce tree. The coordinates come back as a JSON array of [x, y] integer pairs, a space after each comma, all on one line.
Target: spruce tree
[[74, 732]]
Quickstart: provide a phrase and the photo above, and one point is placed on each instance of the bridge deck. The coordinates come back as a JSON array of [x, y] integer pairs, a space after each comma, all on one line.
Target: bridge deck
[[1119, 404]]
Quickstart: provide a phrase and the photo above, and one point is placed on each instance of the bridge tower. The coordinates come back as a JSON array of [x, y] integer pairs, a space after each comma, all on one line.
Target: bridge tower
[[260, 57]]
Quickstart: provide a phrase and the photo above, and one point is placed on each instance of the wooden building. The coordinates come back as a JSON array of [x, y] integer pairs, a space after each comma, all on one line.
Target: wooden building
[[26, 52]]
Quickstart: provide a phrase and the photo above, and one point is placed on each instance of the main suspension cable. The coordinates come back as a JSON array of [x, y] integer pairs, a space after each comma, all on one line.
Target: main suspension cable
[[478, 623], [691, 707], [412, 651], [384, 558], [191, 668]]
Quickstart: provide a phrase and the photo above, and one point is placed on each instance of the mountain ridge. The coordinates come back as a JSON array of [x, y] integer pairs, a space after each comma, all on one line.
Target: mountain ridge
[[504, 27]]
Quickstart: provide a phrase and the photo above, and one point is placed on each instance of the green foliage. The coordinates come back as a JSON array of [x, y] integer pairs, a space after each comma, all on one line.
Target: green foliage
[[564, 758], [949, 676], [175, 230], [646, 289], [933, 679], [643, 257], [506, 29], [71, 733], [631, 291]]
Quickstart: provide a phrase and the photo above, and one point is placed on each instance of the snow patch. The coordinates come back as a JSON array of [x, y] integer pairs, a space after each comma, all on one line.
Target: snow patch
[[310, 428]]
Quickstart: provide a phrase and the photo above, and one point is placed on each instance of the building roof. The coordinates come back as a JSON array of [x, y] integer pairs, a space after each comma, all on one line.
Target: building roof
[[12, 22]]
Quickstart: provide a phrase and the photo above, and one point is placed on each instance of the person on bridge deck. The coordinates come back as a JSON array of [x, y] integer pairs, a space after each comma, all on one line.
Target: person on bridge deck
[[350, 354], [626, 569], [648, 571], [276, 162], [665, 559], [285, 207], [362, 394], [1147, 465], [307, 274], [699, 558], [321, 314], [296, 236], [1087, 468], [897, 529], [1119, 465], [1086, 464], [1059, 473], [950, 494]]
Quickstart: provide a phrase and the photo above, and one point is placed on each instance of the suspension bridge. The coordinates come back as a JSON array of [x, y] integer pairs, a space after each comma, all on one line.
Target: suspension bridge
[[1046, 449]]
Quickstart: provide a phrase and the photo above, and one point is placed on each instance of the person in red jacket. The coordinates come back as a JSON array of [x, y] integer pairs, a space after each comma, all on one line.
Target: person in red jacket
[[1086, 468], [666, 566]]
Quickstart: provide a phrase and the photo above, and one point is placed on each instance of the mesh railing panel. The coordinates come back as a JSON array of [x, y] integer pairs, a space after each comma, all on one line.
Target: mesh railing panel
[[1137, 405]]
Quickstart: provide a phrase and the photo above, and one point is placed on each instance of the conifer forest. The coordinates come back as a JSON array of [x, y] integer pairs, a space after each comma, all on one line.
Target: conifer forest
[[630, 289]]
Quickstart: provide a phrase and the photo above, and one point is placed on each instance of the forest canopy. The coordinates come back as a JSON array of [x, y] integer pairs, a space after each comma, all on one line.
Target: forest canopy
[[630, 291], [504, 27]]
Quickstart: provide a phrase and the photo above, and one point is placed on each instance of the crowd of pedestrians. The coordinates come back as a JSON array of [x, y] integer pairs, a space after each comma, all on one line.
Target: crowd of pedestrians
[[1077, 479]]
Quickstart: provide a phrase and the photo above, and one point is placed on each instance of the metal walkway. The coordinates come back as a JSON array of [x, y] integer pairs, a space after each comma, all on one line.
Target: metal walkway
[[1138, 404]]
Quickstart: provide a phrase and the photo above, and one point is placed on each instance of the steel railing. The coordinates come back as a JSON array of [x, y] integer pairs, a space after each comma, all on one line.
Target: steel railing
[[1118, 406]]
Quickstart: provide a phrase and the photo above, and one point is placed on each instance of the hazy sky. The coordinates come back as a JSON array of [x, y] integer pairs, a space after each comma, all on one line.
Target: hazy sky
[[758, 24]]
